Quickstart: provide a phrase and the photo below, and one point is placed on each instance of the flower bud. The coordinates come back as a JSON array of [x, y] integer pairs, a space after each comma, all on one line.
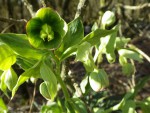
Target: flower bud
[[108, 19]]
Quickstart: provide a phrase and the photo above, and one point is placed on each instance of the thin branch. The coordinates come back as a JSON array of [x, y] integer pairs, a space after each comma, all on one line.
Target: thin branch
[[134, 7], [29, 7], [7, 28], [43, 3], [33, 97], [140, 51], [11, 20], [81, 6]]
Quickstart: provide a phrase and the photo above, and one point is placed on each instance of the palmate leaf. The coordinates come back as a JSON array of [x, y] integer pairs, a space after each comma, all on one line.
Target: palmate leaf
[[7, 57], [20, 45]]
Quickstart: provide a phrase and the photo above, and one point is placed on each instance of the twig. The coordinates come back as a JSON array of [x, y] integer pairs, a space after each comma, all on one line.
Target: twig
[[29, 7], [43, 3], [140, 51], [11, 20], [79, 8], [134, 7], [34, 92], [7, 28]]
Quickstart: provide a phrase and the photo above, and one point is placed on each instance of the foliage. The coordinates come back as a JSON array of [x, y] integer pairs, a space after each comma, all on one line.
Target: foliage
[[50, 41]]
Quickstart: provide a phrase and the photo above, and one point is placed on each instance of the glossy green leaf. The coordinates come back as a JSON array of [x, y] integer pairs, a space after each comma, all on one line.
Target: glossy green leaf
[[7, 57], [83, 84], [44, 37], [44, 90], [129, 107], [130, 54], [31, 72], [75, 33], [3, 107], [10, 78], [49, 77], [94, 37], [98, 80], [20, 45]]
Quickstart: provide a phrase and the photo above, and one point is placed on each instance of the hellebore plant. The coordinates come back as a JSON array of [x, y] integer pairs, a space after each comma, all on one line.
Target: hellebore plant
[[49, 42]]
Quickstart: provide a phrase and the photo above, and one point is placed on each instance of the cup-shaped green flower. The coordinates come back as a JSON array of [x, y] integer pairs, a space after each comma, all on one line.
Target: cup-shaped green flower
[[46, 30]]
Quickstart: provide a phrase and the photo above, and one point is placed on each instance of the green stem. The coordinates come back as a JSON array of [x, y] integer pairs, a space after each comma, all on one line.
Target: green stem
[[63, 86], [58, 73]]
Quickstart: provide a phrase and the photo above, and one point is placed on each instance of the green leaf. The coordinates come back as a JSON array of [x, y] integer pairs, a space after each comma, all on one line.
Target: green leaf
[[83, 51], [7, 57], [44, 90], [83, 55], [80, 106], [52, 107], [75, 33], [145, 105], [3, 86], [130, 54], [31, 72], [10, 78], [50, 79], [3, 107], [121, 42], [129, 107], [19, 43], [83, 84], [128, 69], [94, 37], [70, 51], [25, 63], [122, 60], [98, 80]]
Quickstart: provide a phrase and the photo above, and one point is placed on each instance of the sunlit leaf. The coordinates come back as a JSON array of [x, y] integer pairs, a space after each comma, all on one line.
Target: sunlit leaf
[[20, 44], [10, 78], [130, 54], [44, 90], [7, 57], [94, 37], [3, 107]]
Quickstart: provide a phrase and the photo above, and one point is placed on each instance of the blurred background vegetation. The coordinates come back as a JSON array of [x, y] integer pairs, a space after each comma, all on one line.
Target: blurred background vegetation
[[132, 15]]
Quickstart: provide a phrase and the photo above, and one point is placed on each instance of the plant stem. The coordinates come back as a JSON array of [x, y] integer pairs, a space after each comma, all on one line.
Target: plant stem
[[63, 86]]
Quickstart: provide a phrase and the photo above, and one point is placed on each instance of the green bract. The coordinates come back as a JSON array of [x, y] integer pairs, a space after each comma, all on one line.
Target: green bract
[[46, 29]]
